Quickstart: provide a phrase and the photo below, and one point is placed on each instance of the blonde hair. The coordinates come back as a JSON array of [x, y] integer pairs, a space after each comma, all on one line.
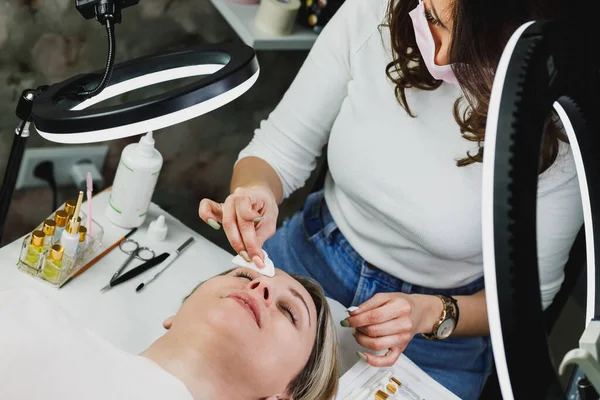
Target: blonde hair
[[318, 380]]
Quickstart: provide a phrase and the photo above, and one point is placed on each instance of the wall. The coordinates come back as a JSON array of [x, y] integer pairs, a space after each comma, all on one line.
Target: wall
[[47, 41]]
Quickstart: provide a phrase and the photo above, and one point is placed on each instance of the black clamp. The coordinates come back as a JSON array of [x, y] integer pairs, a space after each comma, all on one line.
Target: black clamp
[[101, 10], [25, 104]]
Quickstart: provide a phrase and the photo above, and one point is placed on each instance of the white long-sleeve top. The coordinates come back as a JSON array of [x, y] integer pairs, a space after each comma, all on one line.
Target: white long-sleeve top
[[393, 187]]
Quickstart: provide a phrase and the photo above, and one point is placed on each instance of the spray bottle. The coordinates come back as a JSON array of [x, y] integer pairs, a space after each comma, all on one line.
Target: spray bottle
[[134, 183]]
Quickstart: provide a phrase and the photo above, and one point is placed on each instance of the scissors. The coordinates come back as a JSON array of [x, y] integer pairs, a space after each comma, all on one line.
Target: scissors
[[134, 250]]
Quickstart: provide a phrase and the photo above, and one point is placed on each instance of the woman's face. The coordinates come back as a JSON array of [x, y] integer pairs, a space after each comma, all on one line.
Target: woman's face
[[263, 328], [439, 16]]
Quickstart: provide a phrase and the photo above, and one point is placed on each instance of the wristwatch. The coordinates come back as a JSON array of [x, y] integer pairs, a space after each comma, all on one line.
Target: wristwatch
[[447, 322]]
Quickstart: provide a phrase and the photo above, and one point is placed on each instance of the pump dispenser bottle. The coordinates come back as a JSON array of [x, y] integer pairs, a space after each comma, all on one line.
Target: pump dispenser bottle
[[134, 183], [70, 236]]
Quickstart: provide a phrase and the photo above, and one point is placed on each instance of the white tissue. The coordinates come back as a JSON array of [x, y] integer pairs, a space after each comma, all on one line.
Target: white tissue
[[268, 270]]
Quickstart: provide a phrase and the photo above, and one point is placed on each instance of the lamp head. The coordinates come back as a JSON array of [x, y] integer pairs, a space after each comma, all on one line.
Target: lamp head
[[100, 8]]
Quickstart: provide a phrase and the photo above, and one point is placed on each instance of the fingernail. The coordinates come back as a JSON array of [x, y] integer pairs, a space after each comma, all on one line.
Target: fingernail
[[214, 224], [361, 355], [352, 309], [258, 262], [353, 331], [258, 219], [245, 256], [345, 323]]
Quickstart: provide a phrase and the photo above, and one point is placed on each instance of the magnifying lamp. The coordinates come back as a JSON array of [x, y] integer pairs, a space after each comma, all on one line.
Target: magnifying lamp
[[61, 112], [544, 66]]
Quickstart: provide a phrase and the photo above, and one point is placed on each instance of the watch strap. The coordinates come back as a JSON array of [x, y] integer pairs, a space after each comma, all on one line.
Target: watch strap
[[444, 316], [456, 309]]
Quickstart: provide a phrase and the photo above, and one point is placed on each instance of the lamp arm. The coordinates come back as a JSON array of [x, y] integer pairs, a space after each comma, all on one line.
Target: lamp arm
[[12, 171], [110, 62]]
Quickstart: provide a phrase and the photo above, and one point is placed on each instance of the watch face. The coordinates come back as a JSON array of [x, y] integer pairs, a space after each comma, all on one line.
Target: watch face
[[446, 328]]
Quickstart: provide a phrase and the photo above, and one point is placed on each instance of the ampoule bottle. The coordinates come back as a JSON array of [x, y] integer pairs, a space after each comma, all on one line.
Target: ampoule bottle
[[49, 228], [83, 240], [30, 256], [60, 218], [70, 206], [53, 267]]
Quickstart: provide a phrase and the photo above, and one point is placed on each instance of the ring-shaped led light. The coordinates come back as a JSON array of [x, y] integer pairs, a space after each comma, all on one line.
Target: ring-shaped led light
[[541, 68], [224, 71]]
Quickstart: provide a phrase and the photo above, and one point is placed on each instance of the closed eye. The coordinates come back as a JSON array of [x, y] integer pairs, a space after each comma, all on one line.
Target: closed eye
[[244, 274], [286, 310]]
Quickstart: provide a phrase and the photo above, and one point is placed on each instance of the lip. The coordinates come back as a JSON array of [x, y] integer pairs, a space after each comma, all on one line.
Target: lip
[[249, 303]]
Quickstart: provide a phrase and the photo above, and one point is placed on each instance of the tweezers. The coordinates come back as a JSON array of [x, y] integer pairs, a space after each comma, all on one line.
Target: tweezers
[[136, 271]]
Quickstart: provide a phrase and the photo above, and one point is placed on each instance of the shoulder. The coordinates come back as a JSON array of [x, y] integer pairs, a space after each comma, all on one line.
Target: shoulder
[[357, 20], [366, 12]]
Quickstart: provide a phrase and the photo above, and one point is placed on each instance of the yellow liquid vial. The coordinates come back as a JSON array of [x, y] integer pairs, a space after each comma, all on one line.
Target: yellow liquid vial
[[33, 254], [52, 271]]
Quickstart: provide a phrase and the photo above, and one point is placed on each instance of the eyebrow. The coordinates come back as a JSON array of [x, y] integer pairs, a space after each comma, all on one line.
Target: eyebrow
[[298, 295], [435, 14]]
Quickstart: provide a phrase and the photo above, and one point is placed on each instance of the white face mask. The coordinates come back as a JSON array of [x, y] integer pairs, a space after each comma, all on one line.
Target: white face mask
[[426, 46]]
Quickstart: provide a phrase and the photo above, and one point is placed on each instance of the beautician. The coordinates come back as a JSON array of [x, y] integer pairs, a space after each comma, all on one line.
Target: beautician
[[399, 93]]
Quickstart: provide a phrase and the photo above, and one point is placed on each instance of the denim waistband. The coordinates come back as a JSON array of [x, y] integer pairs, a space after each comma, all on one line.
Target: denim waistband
[[317, 218]]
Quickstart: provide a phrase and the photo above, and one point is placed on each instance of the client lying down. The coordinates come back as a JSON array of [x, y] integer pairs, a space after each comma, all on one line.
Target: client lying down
[[240, 335]]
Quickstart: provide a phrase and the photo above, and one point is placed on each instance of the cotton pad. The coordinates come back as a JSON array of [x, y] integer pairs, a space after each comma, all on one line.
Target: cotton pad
[[268, 270]]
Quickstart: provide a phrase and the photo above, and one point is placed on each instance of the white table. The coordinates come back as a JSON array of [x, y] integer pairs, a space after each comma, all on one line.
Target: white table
[[241, 18], [130, 320]]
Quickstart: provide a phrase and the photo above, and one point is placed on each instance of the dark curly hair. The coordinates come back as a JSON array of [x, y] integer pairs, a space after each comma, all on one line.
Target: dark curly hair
[[480, 31]]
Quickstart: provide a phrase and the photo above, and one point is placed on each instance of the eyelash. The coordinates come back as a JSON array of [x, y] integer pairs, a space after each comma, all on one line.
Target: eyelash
[[431, 19], [286, 309], [242, 274], [291, 314]]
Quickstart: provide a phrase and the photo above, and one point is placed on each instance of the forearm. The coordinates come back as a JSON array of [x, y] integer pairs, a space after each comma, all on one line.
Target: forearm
[[254, 171], [473, 319]]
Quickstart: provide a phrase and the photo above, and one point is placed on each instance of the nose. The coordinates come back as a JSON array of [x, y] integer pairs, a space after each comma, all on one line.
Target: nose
[[264, 289], [441, 54], [442, 47]]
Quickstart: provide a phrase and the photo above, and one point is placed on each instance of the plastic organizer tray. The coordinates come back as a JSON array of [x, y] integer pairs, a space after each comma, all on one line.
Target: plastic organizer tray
[[33, 262]]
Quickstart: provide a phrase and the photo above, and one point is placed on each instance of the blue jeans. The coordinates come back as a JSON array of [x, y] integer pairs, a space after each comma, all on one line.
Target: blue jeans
[[311, 244]]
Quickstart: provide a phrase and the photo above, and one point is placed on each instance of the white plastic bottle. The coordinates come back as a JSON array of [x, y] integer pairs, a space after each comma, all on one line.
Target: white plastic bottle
[[134, 183]]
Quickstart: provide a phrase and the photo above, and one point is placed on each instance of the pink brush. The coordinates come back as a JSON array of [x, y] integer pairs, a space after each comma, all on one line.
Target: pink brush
[[90, 185]]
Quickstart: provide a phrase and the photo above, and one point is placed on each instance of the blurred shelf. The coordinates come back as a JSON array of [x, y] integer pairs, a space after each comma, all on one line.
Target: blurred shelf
[[241, 18]]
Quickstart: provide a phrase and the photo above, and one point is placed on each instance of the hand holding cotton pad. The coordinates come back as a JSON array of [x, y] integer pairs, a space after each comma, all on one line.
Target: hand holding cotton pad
[[268, 270]]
